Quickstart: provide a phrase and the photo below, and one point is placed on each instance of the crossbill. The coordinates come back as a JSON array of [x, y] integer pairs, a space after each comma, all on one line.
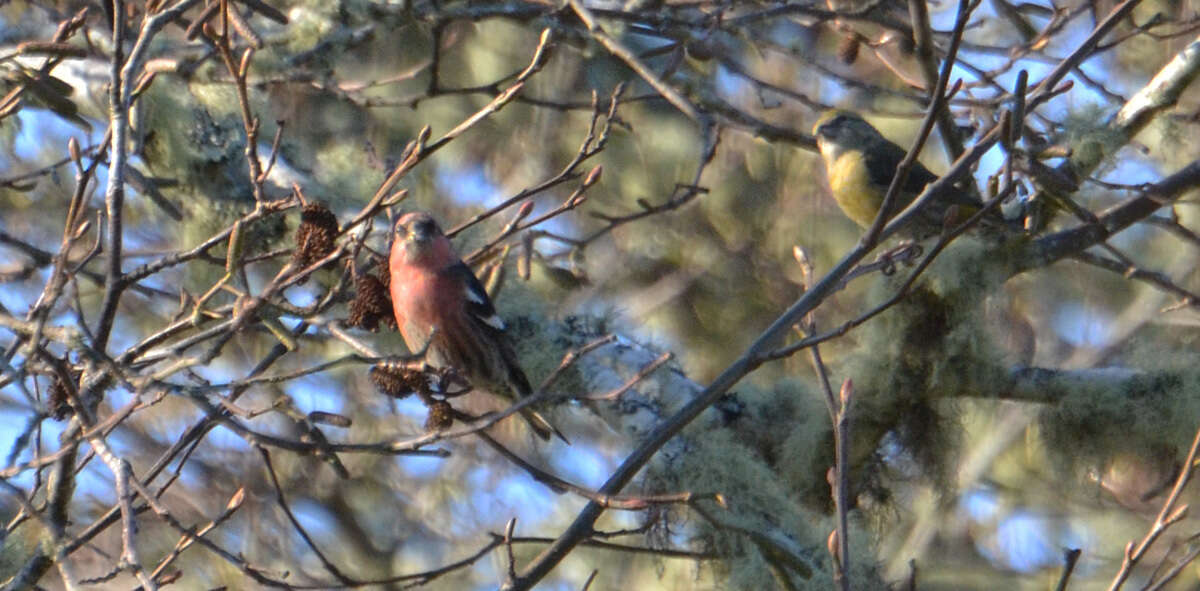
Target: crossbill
[[860, 164], [442, 308]]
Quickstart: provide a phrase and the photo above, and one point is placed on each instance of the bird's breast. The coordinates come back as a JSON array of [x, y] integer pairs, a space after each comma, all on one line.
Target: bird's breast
[[421, 307], [850, 182]]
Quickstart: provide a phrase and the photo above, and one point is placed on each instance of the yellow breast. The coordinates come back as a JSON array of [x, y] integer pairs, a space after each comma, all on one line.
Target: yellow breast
[[852, 189]]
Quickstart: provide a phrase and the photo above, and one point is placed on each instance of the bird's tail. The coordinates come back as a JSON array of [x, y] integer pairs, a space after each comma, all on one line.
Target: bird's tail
[[541, 426]]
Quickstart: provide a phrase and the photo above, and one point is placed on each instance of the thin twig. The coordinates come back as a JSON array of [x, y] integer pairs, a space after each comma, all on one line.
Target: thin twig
[[1169, 514]]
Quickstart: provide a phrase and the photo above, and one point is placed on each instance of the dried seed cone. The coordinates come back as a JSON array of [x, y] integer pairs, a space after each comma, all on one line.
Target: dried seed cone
[[397, 383], [441, 416], [372, 304], [316, 235], [59, 407]]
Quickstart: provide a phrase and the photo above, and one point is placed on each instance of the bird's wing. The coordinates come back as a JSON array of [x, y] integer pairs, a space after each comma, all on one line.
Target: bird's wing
[[882, 163], [478, 304], [480, 309]]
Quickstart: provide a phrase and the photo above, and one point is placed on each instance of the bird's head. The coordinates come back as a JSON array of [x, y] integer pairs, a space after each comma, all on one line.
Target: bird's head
[[417, 238], [841, 131]]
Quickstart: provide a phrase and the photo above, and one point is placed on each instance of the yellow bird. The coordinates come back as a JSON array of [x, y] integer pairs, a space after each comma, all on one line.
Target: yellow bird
[[860, 163]]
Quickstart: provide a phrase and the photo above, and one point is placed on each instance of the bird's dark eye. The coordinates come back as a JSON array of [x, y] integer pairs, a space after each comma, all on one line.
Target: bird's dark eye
[[425, 227]]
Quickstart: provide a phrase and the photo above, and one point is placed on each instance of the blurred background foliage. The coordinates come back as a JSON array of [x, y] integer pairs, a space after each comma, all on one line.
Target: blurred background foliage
[[981, 491]]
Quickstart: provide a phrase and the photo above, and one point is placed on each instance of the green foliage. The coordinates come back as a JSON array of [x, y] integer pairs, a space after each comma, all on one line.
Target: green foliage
[[203, 150], [932, 346], [353, 82], [764, 532], [542, 339], [23, 545], [1152, 411], [1091, 141], [756, 500]]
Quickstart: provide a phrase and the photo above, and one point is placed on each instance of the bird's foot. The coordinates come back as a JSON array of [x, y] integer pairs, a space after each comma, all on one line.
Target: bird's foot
[[907, 253], [449, 382]]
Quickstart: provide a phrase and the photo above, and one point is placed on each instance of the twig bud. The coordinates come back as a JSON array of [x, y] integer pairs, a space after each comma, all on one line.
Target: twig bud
[[236, 500], [593, 176]]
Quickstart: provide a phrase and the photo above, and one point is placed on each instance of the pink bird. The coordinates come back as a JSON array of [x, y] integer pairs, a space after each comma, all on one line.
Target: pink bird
[[442, 308]]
